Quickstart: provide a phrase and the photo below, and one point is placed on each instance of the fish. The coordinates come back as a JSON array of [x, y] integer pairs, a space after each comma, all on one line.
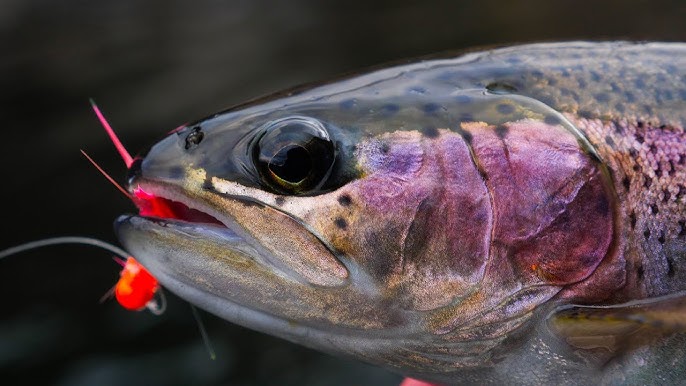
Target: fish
[[509, 216]]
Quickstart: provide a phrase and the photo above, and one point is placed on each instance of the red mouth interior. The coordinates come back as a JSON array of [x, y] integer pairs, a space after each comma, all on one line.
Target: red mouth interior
[[153, 206]]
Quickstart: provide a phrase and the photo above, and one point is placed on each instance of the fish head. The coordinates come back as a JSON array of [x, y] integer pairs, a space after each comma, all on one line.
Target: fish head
[[409, 231]]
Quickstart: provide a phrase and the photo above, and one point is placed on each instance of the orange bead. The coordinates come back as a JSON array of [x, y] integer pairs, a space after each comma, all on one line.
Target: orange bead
[[136, 286]]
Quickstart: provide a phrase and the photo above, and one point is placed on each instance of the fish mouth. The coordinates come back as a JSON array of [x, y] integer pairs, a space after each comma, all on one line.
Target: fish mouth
[[199, 254], [168, 208]]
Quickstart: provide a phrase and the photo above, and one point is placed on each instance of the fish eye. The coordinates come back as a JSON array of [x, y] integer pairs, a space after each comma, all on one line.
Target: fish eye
[[294, 155]]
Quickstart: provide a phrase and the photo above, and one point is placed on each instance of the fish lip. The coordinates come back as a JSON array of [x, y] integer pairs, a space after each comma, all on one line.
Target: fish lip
[[225, 228]]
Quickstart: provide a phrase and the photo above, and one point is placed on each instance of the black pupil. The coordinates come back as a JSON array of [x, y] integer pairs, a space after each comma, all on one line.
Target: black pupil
[[294, 155], [291, 163]]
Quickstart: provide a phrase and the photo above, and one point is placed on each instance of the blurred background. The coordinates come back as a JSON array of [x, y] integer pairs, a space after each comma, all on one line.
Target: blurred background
[[153, 66]]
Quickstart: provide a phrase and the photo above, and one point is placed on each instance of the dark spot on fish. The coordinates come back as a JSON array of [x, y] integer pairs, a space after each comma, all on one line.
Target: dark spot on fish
[[176, 172], [639, 138], [661, 78], [595, 76], [537, 73], [501, 88], [620, 107], [501, 131], [626, 182], [682, 228], [431, 108], [344, 200], [666, 195], [647, 181], [661, 238], [633, 153], [585, 114], [618, 128], [341, 223], [653, 148], [664, 95], [648, 109], [467, 136], [552, 82], [646, 234], [463, 99], [632, 218], [637, 168], [551, 120], [505, 108], [672, 169], [639, 272], [565, 73], [466, 117], [670, 267], [681, 192], [546, 100], [680, 160], [207, 184], [630, 97], [639, 83], [640, 124], [582, 83], [385, 148], [602, 97], [610, 142], [430, 132], [390, 108], [279, 200], [348, 104]]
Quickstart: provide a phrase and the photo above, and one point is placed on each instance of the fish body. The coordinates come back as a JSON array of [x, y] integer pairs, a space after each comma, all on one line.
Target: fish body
[[508, 216]]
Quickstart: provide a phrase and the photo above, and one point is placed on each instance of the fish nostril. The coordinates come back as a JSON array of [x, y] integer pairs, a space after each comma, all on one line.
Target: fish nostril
[[134, 171], [194, 138]]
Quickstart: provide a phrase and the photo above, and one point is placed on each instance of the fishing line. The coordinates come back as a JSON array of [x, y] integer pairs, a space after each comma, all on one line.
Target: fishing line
[[203, 332], [79, 240]]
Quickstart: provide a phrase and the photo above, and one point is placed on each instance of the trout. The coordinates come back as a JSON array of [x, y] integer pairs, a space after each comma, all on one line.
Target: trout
[[511, 216]]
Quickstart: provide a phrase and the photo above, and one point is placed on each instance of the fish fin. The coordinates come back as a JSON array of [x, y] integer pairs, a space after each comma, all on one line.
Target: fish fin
[[621, 327]]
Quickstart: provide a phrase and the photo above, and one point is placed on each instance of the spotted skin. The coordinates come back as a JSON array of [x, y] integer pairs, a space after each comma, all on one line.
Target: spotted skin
[[471, 198]]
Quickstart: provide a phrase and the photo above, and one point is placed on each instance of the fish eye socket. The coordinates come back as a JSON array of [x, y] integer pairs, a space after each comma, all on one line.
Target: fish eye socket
[[294, 155]]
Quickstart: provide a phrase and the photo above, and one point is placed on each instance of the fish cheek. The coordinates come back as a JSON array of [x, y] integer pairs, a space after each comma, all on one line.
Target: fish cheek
[[552, 205]]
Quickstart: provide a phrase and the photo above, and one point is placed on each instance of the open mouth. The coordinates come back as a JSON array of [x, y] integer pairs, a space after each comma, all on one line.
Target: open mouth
[[151, 205]]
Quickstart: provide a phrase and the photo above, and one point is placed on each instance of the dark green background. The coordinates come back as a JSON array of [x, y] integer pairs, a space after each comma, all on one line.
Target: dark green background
[[153, 66]]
